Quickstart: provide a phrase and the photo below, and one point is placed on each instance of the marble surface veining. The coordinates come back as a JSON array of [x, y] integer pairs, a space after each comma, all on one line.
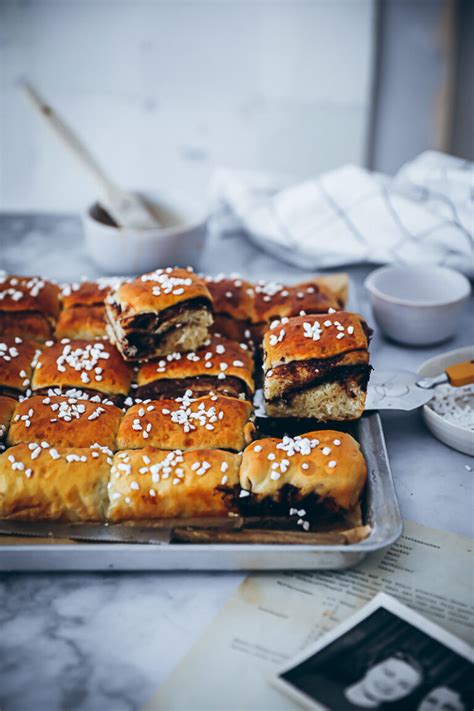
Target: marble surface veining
[[100, 642]]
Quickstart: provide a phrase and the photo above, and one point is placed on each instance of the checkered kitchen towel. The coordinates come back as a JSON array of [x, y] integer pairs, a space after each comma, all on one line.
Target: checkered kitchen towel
[[349, 215]]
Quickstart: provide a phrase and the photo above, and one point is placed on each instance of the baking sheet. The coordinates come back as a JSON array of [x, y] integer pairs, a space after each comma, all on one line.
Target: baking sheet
[[380, 512]]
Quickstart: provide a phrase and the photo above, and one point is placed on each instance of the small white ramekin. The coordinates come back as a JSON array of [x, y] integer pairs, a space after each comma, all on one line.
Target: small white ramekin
[[455, 436], [417, 305], [118, 250]]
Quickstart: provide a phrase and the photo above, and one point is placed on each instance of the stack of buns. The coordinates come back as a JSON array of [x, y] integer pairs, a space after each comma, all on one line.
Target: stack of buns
[[133, 399]]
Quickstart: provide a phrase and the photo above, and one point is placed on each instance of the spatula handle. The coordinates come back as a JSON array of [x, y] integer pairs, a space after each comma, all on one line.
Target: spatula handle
[[461, 373]]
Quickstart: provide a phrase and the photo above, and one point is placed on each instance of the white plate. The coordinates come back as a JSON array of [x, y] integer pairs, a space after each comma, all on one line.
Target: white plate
[[459, 438]]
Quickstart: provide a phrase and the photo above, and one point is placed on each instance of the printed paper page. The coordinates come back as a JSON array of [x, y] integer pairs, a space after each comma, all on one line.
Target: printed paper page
[[271, 617]]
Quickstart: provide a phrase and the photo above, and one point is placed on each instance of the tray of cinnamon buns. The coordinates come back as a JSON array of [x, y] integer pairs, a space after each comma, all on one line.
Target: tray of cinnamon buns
[[178, 421]]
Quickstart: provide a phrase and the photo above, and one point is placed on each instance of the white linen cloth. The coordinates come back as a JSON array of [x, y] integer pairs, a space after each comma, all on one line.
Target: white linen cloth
[[350, 215]]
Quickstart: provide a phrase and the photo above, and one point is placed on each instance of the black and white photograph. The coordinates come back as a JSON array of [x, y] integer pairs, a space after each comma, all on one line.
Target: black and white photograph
[[384, 657]]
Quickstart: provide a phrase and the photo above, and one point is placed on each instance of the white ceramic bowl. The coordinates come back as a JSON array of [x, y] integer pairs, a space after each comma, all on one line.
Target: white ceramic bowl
[[459, 438], [179, 239], [418, 305]]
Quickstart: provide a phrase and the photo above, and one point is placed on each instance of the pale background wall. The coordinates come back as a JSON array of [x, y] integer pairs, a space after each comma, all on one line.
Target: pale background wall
[[164, 91], [415, 81]]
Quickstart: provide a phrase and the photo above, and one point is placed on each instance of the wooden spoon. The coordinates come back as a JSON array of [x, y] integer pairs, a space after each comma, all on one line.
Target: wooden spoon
[[125, 208]]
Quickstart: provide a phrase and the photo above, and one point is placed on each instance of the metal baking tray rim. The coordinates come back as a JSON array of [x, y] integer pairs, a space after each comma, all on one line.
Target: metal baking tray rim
[[365, 546]]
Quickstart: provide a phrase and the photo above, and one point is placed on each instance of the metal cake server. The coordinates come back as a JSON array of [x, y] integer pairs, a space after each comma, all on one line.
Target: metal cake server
[[396, 390], [88, 532], [403, 390], [160, 533]]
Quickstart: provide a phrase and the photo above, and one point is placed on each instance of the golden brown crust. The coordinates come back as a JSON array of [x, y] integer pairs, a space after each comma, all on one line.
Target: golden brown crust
[[95, 365], [150, 483], [316, 366], [48, 484], [26, 324], [16, 364], [29, 307], [7, 405], [308, 337], [259, 303], [211, 422], [64, 422], [86, 293], [326, 464], [243, 310], [273, 300], [20, 293], [219, 357], [313, 297], [83, 314], [338, 283], [86, 322], [234, 297], [157, 291]]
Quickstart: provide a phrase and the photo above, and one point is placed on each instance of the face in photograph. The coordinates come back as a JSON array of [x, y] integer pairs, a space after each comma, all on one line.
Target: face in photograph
[[390, 680], [442, 698]]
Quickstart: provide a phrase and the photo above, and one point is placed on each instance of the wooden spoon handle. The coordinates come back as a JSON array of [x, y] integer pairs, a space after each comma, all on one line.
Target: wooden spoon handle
[[70, 140]]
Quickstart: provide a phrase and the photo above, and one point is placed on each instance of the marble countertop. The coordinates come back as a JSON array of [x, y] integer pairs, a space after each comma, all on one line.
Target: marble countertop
[[94, 642]]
